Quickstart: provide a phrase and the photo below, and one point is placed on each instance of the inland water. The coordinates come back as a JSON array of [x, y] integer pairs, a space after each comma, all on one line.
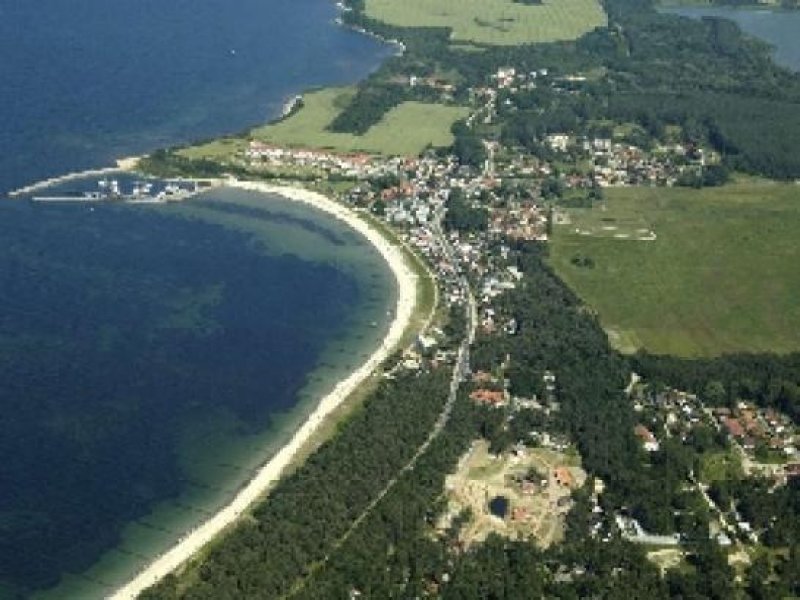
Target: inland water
[[779, 28]]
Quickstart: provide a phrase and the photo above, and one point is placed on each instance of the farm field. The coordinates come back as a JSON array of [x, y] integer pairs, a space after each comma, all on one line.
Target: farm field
[[689, 272], [405, 130], [494, 22]]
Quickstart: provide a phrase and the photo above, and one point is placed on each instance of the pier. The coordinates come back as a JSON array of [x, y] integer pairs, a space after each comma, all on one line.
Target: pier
[[124, 165], [175, 189], [68, 199], [46, 183]]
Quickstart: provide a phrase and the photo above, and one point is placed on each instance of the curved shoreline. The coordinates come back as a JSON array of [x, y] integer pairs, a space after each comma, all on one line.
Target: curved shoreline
[[271, 472]]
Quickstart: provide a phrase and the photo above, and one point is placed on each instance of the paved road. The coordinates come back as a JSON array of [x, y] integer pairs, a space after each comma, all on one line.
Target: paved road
[[460, 371]]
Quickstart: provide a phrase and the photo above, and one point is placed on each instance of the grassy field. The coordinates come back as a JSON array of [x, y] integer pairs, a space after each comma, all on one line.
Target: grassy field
[[720, 466], [405, 130], [494, 22], [686, 272], [220, 149]]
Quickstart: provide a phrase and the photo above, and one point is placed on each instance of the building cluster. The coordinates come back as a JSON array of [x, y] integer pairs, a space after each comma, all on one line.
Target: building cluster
[[519, 220], [668, 413], [430, 351], [421, 190], [762, 433], [765, 440], [263, 156], [490, 397], [613, 163], [617, 164], [445, 88], [509, 78], [415, 203]]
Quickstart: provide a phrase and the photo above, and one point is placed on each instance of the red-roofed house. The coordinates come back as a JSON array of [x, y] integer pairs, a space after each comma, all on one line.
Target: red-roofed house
[[492, 397], [649, 441], [733, 426], [563, 477]]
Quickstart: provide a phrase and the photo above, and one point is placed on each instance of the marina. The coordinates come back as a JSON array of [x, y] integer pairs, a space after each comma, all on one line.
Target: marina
[[54, 181], [116, 184], [141, 192], [123, 187]]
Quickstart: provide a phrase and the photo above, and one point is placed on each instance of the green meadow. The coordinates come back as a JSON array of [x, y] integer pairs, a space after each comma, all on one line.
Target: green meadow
[[494, 22], [722, 274], [405, 130]]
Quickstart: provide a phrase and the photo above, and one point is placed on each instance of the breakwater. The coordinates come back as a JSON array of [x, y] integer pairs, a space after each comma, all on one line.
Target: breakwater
[[180, 188], [61, 179]]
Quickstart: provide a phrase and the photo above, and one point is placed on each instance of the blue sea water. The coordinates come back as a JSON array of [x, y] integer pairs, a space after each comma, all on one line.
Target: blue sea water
[[152, 357], [87, 81]]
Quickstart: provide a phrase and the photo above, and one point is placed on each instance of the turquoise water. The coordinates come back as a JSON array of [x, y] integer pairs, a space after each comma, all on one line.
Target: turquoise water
[[779, 28], [152, 358]]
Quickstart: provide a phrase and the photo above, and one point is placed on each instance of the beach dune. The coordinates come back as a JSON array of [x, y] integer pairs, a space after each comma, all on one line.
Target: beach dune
[[254, 489]]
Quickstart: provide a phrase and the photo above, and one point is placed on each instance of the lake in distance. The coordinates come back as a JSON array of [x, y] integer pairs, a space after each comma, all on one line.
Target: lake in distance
[[779, 28], [151, 358]]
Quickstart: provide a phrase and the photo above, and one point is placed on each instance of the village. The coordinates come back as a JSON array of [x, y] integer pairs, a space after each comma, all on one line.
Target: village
[[463, 219], [512, 195], [765, 440], [591, 161], [758, 442]]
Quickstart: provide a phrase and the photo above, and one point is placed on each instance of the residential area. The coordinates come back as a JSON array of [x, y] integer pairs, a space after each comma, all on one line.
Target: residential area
[[464, 216]]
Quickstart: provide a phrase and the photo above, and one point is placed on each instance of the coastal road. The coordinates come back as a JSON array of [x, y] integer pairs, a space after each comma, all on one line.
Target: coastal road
[[461, 369]]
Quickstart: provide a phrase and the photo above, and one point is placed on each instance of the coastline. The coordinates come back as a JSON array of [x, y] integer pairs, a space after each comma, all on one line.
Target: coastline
[[321, 407], [272, 470]]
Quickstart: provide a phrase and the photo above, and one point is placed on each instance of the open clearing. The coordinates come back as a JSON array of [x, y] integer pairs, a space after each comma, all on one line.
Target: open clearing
[[689, 272], [535, 483], [405, 130], [221, 149], [494, 22]]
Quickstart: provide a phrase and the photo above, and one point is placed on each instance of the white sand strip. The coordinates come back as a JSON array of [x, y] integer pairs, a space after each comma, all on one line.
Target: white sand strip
[[193, 541]]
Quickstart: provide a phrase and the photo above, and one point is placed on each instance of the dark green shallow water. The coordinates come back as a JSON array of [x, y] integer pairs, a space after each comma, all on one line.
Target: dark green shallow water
[[151, 359]]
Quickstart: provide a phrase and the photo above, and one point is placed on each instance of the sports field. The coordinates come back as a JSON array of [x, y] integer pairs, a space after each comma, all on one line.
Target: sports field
[[689, 272], [494, 22], [405, 130]]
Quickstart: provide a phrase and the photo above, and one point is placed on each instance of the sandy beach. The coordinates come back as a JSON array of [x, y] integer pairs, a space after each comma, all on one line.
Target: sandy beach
[[254, 489]]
